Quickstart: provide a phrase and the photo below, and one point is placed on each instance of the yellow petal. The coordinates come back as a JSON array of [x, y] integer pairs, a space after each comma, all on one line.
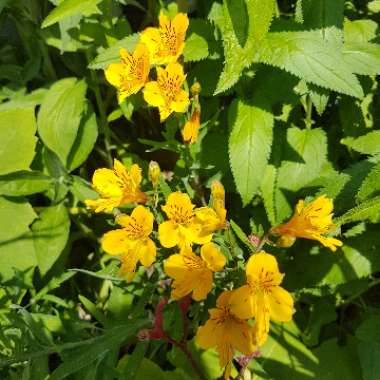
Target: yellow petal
[[146, 252], [136, 174], [152, 95], [207, 335], [243, 302], [103, 205], [114, 73], [202, 285], [240, 334], [128, 264], [107, 184], [168, 234], [180, 23], [174, 70], [259, 263], [181, 102], [330, 242], [281, 304], [165, 112], [214, 258], [175, 267], [116, 242], [144, 218], [176, 203], [262, 320]]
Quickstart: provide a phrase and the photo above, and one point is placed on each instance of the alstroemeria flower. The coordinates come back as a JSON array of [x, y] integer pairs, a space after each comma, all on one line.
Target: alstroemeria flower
[[166, 92], [262, 297], [130, 75], [117, 187], [218, 202], [192, 273], [166, 43], [227, 332], [183, 227], [132, 242], [310, 221], [190, 130]]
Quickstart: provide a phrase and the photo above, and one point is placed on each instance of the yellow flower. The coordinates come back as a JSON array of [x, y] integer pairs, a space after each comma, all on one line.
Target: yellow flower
[[190, 130], [225, 331], [166, 43], [192, 273], [130, 75], [132, 241], [262, 297], [309, 222], [218, 202], [166, 93], [117, 187]]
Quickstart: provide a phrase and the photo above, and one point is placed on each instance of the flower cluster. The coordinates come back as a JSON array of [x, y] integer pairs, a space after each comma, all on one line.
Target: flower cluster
[[161, 48], [240, 321]]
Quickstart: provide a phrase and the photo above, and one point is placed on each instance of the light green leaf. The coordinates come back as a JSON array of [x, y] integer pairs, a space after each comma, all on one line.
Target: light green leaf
[[243, 24], [111, 55], [374, 6], [60, 114], [24, 183], [268, 193], [370, 185], [68, 8], [18, 140], [16, 243], [369, 209], [363, 57], [303, 158], [366, 144], [85, 139], [308, 56], [197, 43], [249, 146], [359, 31], [81, 189], [50, 234]]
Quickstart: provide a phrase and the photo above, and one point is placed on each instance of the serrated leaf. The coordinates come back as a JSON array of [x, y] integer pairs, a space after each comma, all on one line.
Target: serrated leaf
[[370, 185], [24, 183], [111, 55], [18, 140], [310, 57], [243, 25], [60, 114], [359, 31], [366, 144], [322, 14], [268, 186], [68, 8], [50, 234], [249, 146], [362, 57], [366, 210]]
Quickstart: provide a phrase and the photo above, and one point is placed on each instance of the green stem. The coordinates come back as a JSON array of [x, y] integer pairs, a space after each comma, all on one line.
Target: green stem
[[309, 109], [358, 294]]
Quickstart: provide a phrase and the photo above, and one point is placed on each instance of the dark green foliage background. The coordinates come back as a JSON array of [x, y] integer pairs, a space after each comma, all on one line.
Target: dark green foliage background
[[290, 109]]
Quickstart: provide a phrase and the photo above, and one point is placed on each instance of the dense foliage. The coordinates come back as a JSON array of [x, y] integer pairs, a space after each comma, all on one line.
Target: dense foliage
[[189, 189]]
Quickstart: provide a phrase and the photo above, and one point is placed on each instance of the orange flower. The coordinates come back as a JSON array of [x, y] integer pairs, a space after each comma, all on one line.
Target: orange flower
[[190, 130]]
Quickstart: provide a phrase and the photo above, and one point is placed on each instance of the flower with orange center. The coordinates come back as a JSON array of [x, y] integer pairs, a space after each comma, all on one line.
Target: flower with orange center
[[183, 227], [192, 273], [117, 187], [262, 297], [190, 130], [167, 93], [311, 221], [166, 42], [130, 75], [227, 332], [132, 242]]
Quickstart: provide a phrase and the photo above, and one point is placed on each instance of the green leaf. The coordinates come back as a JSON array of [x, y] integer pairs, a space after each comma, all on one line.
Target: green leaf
[[243, 24], [60, 114], [81, 189], [369, 209], [366, 144], [111, 55], [68, 8], [24, 182], [16, 243], [240, 234], [132, 367], [285, 356], [81, 357], [50, 234], [374, 6], [200, 34], [18, 140], [249, 146], [363, 58], [308, 56], [303, 158], [370, 185], [322, 14], [85, 140], [359, 31]]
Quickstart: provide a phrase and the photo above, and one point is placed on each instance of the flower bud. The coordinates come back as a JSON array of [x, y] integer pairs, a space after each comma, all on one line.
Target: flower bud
[[154, 173], [191, 128], [195, 89]]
